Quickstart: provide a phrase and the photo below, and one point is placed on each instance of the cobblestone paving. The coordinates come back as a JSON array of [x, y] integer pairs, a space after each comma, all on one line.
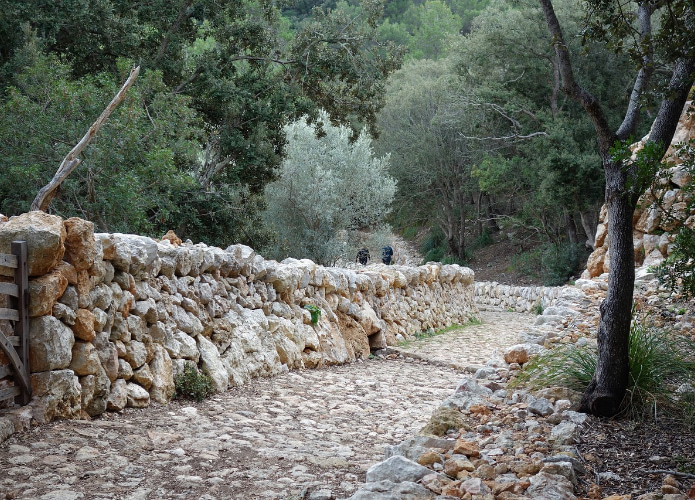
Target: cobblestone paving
[[312, 432]]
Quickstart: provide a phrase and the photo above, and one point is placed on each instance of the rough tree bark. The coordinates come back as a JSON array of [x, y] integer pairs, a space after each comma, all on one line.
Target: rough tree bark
[[71, 161], [607, 389]]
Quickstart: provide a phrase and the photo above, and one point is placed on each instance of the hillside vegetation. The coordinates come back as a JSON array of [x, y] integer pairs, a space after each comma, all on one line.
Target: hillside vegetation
[[461, 99]]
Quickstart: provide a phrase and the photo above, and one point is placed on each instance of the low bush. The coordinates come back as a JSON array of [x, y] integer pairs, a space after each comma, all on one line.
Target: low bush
[[193, 384]]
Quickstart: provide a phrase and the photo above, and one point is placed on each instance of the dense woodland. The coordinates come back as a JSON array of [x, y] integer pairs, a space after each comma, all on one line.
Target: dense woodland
[[451, 112]]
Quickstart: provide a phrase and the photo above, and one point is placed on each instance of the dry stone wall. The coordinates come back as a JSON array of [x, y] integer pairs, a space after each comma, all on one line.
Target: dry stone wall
[[115, 317], [493, 296], [652, 228]]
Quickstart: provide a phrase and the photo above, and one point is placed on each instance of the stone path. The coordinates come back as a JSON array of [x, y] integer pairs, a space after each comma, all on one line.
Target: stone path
[[307, 434]]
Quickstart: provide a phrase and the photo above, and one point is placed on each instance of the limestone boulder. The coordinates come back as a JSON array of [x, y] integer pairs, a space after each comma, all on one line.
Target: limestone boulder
[[108, 355], [212, 365], [50, 344], [595, 263], [95, 394], [118, 397], [137, 396], [143, 376], [45, 237], [162, 389], [135, 354], [550, 486], [56, 394], [85, 359], [84, 325], [80, 244], [44, 292], [397, 469], [135, 255], [184, 343]]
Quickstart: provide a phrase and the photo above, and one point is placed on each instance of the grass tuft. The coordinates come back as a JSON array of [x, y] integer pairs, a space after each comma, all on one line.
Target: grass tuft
[[661, 379]]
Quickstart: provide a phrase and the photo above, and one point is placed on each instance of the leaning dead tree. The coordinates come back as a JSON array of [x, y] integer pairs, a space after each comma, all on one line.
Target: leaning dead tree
[[71, 161]]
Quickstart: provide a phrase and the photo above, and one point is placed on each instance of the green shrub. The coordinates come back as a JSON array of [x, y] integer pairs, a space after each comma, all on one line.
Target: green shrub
[[662, 371], [314, 311], [558, 263], [193, 384], [434, 246], [409, 233], [554, 264], [485, 239]]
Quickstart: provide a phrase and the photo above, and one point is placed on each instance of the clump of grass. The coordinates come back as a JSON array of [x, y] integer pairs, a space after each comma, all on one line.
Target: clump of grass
[[661, 365], [661, 377], [193, 384], [566, 365]]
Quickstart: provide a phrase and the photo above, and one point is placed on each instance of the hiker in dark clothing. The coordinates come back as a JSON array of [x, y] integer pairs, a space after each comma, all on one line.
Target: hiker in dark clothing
[[386, 255], [362, 256]]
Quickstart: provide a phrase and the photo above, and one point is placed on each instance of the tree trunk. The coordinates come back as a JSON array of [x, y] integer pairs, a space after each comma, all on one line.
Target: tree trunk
[[609, 384], [589, 224], [605, 393], [571, 228]]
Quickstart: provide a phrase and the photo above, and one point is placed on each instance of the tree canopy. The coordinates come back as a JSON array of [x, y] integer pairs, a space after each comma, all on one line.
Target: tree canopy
[[221, 81], [329, 188]]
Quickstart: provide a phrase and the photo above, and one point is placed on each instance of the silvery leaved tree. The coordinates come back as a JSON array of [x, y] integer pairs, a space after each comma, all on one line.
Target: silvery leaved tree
[[328, 189]]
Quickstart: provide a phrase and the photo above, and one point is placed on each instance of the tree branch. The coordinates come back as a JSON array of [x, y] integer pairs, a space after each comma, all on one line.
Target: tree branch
[[606, 138], [629, 125], [70, 162], [172, 29]]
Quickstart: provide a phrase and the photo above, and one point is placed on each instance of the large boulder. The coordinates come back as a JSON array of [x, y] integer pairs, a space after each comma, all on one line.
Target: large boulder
[[44, 292], [162, 388], [397, 469], [45, 236], [56, 394], [212, 364], [50, 344]]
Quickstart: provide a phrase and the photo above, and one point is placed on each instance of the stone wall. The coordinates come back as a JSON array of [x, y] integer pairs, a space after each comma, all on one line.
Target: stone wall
[[652, 230], [490, 295], [115, 317]]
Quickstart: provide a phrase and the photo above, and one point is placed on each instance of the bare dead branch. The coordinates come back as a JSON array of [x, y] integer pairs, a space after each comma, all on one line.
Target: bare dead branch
[[673, 473], [505, 138], [70, 162]]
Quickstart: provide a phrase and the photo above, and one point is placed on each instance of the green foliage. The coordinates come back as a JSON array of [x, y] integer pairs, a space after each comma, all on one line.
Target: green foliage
[[482, 241], [559, 263], [329, 188], [315, 313], [677, 272], [553, 264], [661, 370], [433, 246], [201, 132], [193, 384]]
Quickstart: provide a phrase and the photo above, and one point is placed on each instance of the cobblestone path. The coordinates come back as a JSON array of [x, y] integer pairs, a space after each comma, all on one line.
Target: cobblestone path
[[312, 431]]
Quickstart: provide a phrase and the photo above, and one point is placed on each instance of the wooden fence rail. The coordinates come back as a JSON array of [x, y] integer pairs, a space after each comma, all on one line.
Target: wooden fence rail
[[16, 347]]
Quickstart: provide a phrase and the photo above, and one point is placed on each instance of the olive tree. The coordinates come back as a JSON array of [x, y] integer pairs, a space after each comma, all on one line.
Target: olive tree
[[328, 188]]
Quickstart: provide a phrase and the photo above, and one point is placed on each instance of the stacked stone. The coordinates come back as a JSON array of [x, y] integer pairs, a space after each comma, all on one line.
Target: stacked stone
[[653, 223], [115, 317], [493, 296]]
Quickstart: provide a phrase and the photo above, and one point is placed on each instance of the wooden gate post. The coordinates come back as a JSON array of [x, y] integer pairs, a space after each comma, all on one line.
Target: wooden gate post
[[21, 279]]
